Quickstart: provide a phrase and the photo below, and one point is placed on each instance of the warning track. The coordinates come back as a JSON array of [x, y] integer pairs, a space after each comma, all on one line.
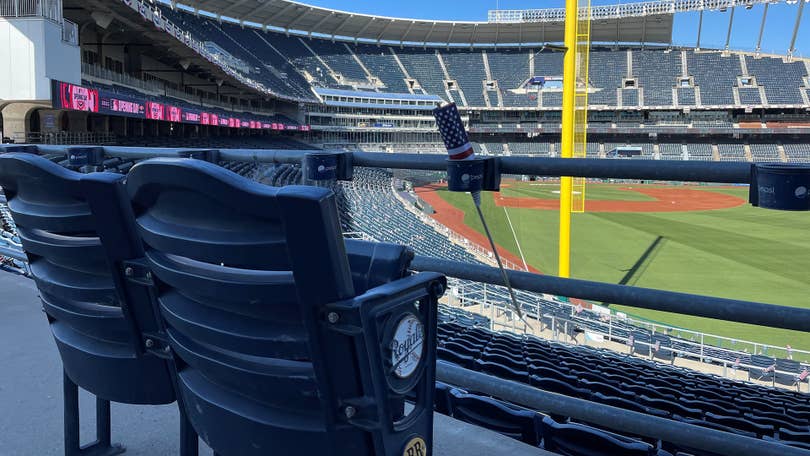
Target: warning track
[[666, 199], [453, 218]]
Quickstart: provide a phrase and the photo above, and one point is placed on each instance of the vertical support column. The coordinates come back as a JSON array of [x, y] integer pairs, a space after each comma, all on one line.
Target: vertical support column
[[796, 30], [730, 24], [762, 29], [567, 140], [71, 415], [103, 424]]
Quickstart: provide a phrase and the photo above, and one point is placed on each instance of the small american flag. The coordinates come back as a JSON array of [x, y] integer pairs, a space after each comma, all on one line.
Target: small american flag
[[657, 345], [804, 374], [737, 362], [770, 368], [631, 340], [451, 127]]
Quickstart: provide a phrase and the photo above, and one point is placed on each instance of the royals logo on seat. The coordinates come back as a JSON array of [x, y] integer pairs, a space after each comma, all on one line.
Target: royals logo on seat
[[407, 346]]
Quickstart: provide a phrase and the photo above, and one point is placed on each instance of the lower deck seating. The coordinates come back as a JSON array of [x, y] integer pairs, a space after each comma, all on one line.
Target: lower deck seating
[[629, 382], [558, 434]]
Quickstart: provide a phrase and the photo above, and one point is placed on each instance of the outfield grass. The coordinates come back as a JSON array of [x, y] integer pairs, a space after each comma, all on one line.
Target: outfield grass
[[742, 253], [551, 190]]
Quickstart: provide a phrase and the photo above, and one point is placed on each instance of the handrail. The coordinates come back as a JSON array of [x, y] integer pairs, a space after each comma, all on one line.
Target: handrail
[[663, 170], [689, 304], [756, 313], [640, 325], [682, 353]]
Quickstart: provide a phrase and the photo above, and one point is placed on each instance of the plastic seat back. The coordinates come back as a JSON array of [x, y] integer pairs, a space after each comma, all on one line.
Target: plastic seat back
[[274, 351], [578, 440], [489, 413], [98, 340]]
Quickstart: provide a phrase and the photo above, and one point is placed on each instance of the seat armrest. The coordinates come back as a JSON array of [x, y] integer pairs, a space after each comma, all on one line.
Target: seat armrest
[[375, 263]]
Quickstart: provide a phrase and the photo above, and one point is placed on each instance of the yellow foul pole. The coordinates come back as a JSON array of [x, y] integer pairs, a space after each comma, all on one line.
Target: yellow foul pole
[[567, 140]]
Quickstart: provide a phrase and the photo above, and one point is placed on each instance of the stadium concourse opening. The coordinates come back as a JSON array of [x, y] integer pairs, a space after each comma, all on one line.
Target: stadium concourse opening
[[236, 219]]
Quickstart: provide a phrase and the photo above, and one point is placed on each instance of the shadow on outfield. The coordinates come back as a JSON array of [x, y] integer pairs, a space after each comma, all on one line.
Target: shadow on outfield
[[635, 272]]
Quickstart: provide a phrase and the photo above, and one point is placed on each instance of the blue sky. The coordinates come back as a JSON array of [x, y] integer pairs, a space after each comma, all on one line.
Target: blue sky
[[778, 27]]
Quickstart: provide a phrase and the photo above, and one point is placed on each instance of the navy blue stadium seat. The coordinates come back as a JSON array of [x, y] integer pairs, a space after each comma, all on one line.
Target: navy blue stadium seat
[[763, 367], [558, 374], [496, 349], [795, 436], [759, 404], [779, 420], [502, 371], [534, 360], [557, 386], [787, 371], [671, 407], [573, 439], [489, 413], [670, 391], [98, 336], [274, 349], [605, 389], [636, 389], [740, 423], [448, 354], [441, 401], [715, 425], [793, 443], [666, 381], [462, 347], [711, 394], [706, 406], [664, 344], [509, 361], [629, 404]]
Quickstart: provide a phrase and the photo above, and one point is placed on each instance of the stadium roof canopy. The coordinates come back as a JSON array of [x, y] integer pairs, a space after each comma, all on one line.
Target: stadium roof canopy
[[649, 22]]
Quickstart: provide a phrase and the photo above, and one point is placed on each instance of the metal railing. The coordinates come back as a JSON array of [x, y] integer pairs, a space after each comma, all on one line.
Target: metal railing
[[502, 318], [72, 138], [108, 76], [614, 418], [70, 32], [691, 436], [49, 9], [494, 296]]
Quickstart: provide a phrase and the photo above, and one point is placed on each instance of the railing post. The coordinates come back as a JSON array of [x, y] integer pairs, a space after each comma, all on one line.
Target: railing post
[[701, 347], [512, 319], [491, 309], [554, 327]]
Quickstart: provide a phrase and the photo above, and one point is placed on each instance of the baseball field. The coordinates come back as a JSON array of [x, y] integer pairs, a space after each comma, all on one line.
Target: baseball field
[[695, 239]]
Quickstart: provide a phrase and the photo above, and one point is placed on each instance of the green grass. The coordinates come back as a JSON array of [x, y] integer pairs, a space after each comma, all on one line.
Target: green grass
[[742, 253], [551, 190]]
